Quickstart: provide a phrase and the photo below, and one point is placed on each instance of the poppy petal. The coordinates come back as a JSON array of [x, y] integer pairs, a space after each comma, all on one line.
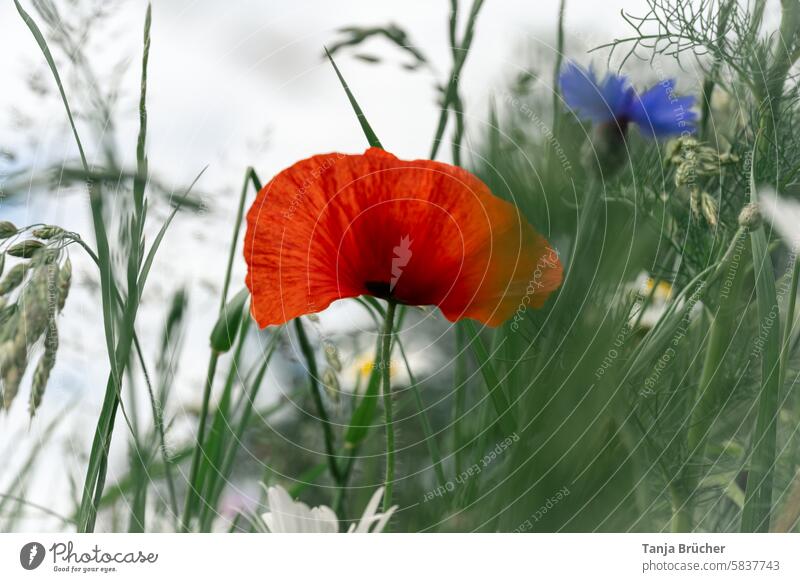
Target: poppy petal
[[419, 232]]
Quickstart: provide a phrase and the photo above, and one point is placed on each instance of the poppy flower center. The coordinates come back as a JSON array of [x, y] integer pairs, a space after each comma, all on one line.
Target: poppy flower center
[[380, 289]]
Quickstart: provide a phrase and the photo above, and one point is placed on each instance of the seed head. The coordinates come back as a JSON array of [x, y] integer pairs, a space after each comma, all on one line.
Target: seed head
[[710, 209], [750, 216], [6, 311], [25, 249], [42, 372], [7, 229], [9, 317], [47, 232], [64, 281], [693, 160], [332, 355], [12, 280], [694, 202], [13, 362], [34, 308], [331, 383]]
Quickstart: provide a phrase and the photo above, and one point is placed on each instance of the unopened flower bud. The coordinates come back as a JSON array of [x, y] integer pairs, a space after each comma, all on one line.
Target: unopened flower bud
[[227, 326], [750, 216]]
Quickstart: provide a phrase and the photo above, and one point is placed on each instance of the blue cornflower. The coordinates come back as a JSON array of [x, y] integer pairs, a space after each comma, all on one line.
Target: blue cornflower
[[658, 111]]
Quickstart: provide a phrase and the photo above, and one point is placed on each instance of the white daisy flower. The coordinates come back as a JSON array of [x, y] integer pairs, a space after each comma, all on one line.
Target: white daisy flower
[[784, 215], [655, 298], [658, 301], [289, 516]]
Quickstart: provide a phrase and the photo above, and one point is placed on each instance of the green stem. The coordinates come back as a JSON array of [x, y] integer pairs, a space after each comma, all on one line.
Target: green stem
[[157, 408], [451, 93], [95, 473], [709, 83], [430, 440], [557, 72], [783, 56], [501, 406], [249, 177], [246, 404], [311, 362], [787, 332], [720, 339], [210, 460], [681, 521], [758, 494], [459, 387], [385, 362], [338, 499], [193, 490]]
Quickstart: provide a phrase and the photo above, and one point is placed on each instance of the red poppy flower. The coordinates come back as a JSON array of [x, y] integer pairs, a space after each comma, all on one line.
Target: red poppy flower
[[418, 232]]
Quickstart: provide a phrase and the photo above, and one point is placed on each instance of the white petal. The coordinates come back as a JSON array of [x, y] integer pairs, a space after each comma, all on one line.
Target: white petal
[[280, 504], [369, 513], [326, 521], [783, 213], [384, 519], [289, 516], [267, 517]]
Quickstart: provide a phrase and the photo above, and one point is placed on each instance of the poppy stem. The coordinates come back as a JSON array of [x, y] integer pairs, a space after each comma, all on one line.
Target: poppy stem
[[385, 363]]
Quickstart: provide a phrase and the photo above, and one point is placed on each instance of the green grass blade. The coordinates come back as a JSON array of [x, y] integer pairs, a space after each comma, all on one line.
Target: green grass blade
[[228, 451], [430, 438], [151, 255], [141, 479], [193, 491], [501, 406], [249, 177], [758, 494], [384, 364], [361, 420], [313, 378], [362, 119], [210, 460], [451, 93], [107, 284], [140, 179]]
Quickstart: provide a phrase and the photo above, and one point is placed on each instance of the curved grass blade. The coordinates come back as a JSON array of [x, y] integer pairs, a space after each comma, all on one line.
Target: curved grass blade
[[362, 119], [107, 283], [758, 494], [501, 406]]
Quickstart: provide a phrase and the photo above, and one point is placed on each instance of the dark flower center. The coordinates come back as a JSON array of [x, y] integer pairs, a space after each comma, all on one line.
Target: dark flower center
[[380, 289]]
